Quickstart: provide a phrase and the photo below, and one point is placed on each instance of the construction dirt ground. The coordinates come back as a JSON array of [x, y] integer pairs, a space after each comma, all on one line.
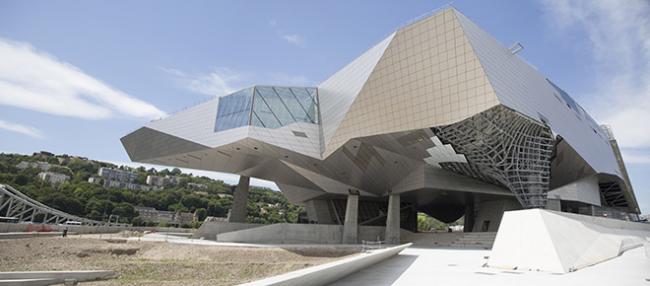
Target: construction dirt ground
[[159, 263]]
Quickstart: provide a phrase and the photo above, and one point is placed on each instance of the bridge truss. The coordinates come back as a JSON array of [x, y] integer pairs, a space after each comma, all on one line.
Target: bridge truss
[[17, 205]]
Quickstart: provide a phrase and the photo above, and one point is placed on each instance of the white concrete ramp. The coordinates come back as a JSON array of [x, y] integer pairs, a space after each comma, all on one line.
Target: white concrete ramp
[[543, 240], [37, 278], [327, 273]]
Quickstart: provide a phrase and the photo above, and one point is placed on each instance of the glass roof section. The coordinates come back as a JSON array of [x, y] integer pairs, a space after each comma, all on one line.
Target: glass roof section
[[267, 106]]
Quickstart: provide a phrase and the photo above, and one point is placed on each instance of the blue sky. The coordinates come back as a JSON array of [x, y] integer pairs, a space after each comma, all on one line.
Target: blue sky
[[75, 76]]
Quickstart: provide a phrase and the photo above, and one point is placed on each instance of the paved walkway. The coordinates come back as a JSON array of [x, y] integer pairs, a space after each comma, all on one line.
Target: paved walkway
[[464, 267]]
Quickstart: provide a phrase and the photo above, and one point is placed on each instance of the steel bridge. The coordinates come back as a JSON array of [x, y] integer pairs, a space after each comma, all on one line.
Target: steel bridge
[[14, 204]]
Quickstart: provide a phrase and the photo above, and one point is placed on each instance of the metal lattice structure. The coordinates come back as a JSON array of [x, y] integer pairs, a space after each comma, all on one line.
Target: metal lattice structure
[[18, 205], [612, 195], [504, 147]]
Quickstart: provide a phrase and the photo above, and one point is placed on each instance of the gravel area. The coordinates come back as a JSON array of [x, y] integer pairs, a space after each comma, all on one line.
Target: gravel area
[[158, 263]]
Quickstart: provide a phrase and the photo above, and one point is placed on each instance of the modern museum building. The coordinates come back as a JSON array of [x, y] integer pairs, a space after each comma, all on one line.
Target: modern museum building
[[438, 118]]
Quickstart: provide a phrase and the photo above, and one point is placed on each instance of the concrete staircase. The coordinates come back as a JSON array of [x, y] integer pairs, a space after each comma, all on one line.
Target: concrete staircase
[[482, 240], [475, 240]]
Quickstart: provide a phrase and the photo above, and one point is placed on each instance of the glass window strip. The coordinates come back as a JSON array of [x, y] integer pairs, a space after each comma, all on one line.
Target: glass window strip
[[233, 110], [267, 106]]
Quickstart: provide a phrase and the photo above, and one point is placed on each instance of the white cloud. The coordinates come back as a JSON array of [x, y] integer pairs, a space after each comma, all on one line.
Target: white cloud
[[284, 79], [34, 80], [22, 129], [619, 41], [223, 81], [636, 157], [293, 39], [219, 82]]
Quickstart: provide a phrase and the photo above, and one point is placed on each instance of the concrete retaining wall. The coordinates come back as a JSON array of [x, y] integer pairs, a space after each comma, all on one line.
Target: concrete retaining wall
[[561, 242], [286, 233], [372, 233], [210, 230], [327, 273]]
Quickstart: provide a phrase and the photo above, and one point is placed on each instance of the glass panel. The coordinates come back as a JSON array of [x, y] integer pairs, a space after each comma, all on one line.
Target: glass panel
[[234, 110], [314, 95], [307, 98], [261, 110], [290, 101], [256, 121], [267, 106], [272, 99]]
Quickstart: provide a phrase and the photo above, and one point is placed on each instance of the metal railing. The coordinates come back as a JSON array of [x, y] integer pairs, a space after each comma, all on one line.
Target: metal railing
[[369, 245]]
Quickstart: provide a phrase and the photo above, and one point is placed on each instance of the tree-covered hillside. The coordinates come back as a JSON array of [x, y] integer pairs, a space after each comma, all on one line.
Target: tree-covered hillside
[[79, 197]]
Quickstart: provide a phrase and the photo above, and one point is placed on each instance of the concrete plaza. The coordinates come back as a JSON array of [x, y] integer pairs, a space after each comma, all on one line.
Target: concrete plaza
[[420, 266]]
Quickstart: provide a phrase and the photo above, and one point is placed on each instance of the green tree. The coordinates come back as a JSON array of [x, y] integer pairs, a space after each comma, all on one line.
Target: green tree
[[427, 223], [201, 214], [124, 210], [216, 209], [99, 207], [65, 203], [21, 180], [177, 208], [192, 202]]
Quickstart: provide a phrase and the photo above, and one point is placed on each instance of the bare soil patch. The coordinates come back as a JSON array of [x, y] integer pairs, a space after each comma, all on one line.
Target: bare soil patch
[[159, 263]]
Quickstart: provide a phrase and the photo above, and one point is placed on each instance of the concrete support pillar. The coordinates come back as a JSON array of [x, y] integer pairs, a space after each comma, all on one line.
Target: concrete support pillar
[[240, 201], [392, 219], [468, 224], [351, 224]]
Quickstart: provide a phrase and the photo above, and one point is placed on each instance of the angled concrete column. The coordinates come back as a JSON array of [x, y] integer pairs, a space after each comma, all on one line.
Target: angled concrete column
[[392, 220], [350, 226], [240, 200]]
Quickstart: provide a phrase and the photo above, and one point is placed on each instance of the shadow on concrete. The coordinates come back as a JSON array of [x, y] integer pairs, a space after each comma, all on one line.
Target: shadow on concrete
[[381, 274]]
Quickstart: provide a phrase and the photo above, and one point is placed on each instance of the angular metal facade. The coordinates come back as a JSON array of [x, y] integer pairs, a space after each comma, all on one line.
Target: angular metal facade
[[438, 112]]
